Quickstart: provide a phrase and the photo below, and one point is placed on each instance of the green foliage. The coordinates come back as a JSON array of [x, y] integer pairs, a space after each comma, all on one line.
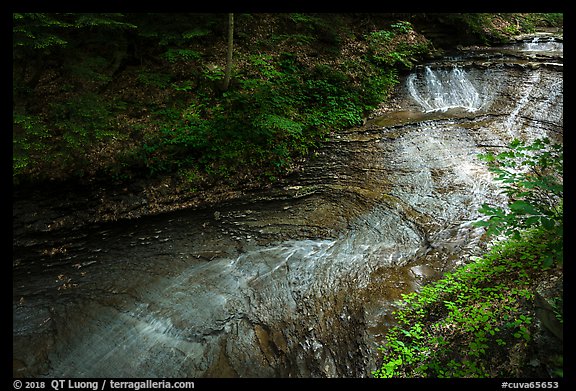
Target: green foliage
[[279, 123], [29, 140], [278, 113], [264, 66], [303, 19], [90, 68], [83, 119], [63, 139], [312, 28], [402, 27], [378, 87], [499, 27], [34, 30], [174, 117], [532, 175], [154, 79], [464, 324], [175, 29], [296, 39], [185, 55], [550, 19], [213, 73], [42, 31], [394, 47], [196, 33]]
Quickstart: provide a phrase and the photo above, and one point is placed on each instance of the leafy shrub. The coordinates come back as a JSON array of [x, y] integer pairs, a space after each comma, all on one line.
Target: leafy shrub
[[29, 143], [62, 140], [175, 55], [532, 175], [398, 46], [467, 323]]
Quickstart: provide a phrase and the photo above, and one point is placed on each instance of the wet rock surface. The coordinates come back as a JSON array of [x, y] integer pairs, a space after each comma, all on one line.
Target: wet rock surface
[[295, 281]]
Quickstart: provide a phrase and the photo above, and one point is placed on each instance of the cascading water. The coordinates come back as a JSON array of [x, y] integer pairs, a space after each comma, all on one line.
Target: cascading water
[[298, 286], [443, 89], [539, 44]]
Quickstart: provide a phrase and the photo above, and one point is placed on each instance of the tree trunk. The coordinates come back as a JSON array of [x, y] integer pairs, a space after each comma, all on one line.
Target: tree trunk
[[228, 71]]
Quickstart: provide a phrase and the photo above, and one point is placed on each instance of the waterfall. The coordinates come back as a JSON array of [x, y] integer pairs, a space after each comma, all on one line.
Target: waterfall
[[442, 89], [539, 45]]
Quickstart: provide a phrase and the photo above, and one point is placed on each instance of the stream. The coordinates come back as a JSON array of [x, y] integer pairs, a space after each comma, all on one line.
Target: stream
[[299, 280]]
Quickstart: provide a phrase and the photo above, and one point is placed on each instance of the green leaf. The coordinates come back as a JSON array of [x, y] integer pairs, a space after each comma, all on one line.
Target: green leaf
[[523, 207], [547, 223], [532, 220]]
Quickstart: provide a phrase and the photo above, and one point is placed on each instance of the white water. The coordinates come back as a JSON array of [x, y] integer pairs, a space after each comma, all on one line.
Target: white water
[[539, 45], [444, 89], [180, 323]]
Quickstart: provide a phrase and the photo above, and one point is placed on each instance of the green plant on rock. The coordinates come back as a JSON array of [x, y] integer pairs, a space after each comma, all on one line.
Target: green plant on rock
[[464, 324]]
